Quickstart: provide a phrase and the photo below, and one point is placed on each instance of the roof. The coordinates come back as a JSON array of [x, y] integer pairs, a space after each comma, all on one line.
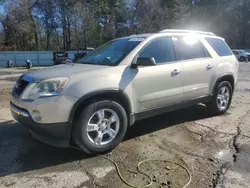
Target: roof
[[186, 31], [144, 35], [172, 31]]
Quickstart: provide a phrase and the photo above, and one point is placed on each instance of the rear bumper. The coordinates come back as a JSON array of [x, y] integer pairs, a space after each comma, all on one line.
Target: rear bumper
[[55, 134]]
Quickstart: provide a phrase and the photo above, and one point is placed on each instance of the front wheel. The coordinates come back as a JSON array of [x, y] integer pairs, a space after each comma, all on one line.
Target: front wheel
[[100, 127]]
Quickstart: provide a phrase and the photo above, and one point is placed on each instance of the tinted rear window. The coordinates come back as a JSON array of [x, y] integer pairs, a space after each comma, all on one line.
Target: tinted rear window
[[219, 46], [189, 47]]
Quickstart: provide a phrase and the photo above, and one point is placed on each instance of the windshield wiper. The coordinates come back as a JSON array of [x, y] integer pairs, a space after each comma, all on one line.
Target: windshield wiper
[[97, 63]]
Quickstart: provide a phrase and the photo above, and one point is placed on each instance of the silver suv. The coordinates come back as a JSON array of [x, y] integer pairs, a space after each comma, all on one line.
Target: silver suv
[[242, 55], [92, 103]]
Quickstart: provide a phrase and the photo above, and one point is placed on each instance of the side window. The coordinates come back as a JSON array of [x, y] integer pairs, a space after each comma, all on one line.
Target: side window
[[189, 47], [161, 49], [219, 46]]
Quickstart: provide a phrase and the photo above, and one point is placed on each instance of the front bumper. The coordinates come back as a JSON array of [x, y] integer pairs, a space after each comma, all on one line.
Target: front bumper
[[55, 134]]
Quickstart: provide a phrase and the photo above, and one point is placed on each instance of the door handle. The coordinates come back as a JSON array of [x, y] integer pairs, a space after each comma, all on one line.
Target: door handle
[[175, 72], [209, 67]]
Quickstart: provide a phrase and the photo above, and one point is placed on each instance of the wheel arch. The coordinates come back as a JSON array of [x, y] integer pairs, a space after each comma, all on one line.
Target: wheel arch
[[112, 94], [225, 77], [242, 57]]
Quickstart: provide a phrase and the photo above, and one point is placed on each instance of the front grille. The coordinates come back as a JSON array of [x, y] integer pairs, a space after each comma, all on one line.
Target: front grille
[[20, 87]]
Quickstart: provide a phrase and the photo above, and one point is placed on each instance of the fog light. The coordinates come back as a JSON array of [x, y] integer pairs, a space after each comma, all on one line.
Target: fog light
[[36, 115]]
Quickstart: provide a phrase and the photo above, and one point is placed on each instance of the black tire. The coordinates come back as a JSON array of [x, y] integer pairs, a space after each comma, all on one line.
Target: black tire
[[80, 127], [213, 105], [242, 59]]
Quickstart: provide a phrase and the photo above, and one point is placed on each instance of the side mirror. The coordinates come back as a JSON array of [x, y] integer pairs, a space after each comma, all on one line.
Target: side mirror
[[144, 61]]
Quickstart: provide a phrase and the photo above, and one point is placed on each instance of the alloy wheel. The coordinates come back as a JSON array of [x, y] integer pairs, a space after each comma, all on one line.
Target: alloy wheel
[[103, 127], [223, 98]]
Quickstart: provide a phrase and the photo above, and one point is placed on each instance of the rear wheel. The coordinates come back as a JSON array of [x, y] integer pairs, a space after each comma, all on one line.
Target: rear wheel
[[100, 127], [221, 99]]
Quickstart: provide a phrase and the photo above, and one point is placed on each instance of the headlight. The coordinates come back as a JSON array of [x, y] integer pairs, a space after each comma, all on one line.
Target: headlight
[[47, 88]]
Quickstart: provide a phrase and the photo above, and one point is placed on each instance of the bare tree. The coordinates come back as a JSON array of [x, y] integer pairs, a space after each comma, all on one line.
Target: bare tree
[[74, 24]]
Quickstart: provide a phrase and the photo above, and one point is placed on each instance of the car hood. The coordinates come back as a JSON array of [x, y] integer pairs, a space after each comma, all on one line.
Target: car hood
[[66, 70]]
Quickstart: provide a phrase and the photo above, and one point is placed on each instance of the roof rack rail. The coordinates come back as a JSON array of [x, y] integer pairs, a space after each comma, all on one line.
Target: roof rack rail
[[186, 31]]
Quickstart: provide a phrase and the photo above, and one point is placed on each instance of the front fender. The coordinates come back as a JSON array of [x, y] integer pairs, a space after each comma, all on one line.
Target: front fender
[[100, 93], [80, 87]]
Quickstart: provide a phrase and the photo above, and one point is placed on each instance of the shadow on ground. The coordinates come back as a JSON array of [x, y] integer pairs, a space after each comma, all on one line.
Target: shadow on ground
[[157, 123], [19, 152]]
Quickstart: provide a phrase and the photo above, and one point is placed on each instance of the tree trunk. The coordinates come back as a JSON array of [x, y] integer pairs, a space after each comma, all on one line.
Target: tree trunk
[[36, 39], [57, 39], [47, 41], [64, 31], [76, 35], [243, 27], [34, 29], [69, 35]]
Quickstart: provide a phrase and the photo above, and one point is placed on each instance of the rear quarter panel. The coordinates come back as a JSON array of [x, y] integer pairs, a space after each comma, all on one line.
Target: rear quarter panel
[[225, 66]]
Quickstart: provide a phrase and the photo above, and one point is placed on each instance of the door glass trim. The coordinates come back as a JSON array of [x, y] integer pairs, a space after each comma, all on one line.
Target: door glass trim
[[197, 59], [166, 63]]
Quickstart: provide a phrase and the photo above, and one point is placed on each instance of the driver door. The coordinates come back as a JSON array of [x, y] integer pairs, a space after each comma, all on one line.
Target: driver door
[[161, 85]]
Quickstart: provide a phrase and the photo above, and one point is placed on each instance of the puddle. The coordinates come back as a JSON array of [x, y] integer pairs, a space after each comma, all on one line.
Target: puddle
[[225, 155]]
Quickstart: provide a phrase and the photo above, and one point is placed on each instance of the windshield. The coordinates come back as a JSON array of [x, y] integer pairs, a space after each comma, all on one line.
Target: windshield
[[112, 53]]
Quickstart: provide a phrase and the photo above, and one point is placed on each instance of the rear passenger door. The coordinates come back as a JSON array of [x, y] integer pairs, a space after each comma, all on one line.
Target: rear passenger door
[[198, 66]]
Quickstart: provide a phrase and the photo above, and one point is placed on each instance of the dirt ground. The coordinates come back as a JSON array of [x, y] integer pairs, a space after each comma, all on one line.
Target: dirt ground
[[216, 150]]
